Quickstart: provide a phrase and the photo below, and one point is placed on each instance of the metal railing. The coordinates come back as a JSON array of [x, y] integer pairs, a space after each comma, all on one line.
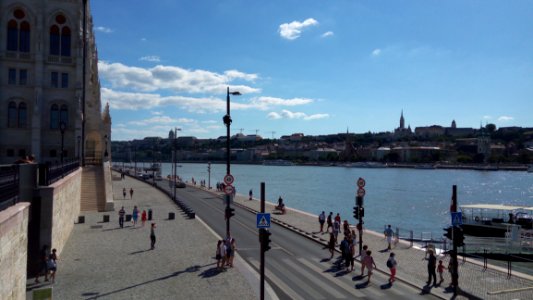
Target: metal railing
[[9, 185], [52, 172]]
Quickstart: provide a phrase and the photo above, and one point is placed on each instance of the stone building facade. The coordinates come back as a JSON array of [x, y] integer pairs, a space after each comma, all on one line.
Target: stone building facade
[[41, 82]]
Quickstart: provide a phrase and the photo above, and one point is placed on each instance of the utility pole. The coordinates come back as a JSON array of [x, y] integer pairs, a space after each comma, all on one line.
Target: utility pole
[[227, 122], [455, 267], [262, 250]]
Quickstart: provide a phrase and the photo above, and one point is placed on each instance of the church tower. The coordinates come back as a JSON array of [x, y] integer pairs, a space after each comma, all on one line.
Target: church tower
[[402, 122], [453, 124]]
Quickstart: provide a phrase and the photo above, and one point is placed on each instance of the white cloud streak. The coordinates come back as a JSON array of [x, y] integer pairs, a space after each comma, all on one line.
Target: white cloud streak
[[173, 78], [150, 58], [103, 29], [505, 118], [286, 114], [293, 30], [326, 34], [376, 52]]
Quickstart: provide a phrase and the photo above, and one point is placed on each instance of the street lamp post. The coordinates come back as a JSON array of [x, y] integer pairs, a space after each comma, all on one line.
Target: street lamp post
[[209, 175], [62, 127], [227, 122], [174, 162]]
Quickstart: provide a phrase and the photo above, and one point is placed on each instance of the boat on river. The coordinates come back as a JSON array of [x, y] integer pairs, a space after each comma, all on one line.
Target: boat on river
[[494, 220]]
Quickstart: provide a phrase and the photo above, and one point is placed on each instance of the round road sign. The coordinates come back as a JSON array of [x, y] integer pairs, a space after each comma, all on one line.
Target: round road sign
[[361, 192], [228, 179], [228, 189], [361, 182]]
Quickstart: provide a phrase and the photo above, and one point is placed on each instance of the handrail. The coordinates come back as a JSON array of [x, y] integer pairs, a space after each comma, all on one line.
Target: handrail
[[9, 185], [51, 172]]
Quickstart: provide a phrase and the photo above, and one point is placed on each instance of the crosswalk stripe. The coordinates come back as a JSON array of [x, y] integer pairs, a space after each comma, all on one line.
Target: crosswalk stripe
[[349, 289], [286, 289], [317, 281], [304, 286]]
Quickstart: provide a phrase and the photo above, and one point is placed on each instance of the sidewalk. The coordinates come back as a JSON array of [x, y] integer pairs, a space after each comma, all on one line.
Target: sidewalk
[[412, 266], [101, 260]]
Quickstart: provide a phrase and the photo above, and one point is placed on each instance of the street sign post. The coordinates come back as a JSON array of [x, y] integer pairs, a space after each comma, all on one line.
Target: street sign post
[[361, 182], [228, 179], [361, 192], [263, 220], [228, 189]]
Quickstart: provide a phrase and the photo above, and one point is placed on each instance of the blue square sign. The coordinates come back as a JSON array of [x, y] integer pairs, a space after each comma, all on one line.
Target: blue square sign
[[263, 220], [457, 218]]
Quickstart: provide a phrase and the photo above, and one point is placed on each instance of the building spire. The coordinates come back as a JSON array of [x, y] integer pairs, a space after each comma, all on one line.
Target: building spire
[[402, 121]]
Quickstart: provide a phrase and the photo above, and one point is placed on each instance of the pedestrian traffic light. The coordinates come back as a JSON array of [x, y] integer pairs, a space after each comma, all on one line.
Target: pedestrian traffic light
[[458, 236], [230, 212], [265, 239], [449, 232], [361, 212], [356, 212]]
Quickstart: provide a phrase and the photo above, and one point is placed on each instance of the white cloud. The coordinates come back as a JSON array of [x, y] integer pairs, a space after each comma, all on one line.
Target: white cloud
[[103, 29], [150, 58], [487, 117], [376, 52], [286, 114], [293, 30], [505, 118], [157, 113], [210, 122], [174, 78], [265, 103], [143, 39], [326, 34]]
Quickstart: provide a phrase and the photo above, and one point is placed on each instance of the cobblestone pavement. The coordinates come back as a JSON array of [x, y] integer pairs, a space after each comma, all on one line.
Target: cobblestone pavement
[[101, 260], [412, 265]]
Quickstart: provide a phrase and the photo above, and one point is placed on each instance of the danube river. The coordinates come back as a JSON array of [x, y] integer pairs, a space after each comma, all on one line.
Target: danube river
[[412, 199]]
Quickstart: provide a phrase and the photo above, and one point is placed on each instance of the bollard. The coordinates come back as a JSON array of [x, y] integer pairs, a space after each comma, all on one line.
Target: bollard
[[191, 215], [128, 218], [106, 218], [171, 216], [81, 219], [150, 214]]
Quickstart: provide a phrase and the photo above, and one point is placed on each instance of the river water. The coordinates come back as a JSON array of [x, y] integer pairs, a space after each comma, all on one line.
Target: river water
[[412, 199]]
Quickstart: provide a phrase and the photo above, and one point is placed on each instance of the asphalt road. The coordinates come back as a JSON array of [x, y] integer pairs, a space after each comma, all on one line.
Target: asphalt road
[[296, 267]]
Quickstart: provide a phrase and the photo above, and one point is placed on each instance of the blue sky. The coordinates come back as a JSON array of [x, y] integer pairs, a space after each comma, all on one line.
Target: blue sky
[[316, 67]]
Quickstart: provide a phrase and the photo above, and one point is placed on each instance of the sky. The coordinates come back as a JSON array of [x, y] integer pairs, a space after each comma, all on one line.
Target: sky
[[313, 67]]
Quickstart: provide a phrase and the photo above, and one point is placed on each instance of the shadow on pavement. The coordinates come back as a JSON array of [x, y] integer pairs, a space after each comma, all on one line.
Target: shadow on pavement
[[97, 295], [358, 277], [386, 286], [362, 285], [140, 251]]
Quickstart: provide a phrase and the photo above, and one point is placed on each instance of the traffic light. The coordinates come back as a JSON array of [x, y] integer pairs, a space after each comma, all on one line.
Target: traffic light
[[230, 212], [458, 236], [264, 236], [361, 212], [449, 232], [356, 212]]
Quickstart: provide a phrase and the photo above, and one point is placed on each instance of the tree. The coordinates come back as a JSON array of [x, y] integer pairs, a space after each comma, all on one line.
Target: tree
[[490, 127]]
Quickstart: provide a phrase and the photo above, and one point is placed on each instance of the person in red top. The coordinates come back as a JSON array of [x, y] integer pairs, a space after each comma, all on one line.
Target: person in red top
[[338, 218], [143, 217]]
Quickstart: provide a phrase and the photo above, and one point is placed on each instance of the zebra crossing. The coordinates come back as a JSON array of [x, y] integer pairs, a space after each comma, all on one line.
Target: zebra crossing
[[311, 278]]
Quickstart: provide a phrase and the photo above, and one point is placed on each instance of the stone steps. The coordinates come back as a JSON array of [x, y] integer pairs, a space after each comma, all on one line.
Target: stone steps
[[92, 196]]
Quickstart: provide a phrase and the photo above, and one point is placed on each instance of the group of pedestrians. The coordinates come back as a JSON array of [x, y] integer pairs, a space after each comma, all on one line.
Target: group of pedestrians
[[225, 253], [48, 264], [124, 193], [134, 216]]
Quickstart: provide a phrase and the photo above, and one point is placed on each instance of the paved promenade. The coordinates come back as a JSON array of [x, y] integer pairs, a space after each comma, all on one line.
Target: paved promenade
[[101, 260], [476, 282]]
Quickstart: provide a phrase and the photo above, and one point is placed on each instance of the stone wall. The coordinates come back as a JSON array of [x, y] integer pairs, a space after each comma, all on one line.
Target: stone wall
[[13, 251], [60, 207]]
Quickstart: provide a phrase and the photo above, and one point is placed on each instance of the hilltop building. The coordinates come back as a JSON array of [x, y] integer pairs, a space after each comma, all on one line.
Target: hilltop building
[[401, 131]]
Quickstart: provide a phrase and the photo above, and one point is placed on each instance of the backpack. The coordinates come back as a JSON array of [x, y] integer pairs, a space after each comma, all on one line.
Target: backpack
[[389, 263]]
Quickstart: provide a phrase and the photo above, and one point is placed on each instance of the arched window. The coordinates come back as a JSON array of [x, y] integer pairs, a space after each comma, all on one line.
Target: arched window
[[18, 32], [54, 40], [54, 117], [12, 115], [12, 35], [63, 114], [22, 115], [60, 37]]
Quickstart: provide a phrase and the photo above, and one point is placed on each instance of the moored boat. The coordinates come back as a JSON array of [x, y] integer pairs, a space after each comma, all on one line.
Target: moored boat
[[494, 220]]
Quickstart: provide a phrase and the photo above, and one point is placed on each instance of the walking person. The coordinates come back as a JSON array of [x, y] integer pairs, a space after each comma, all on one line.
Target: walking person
[[336, 229], [143, 217], [432, 264], [227, 244], [388, 235], [370, 264], [121, 214], [124, 192], [337, 218], [322, 220], [218, 254], [152, 236], [329, 221], [135, 215], [131, 193], [362, 257], [440, 270], [331, 245], [233, 248], [43, 269], [345, 252], [391, 264], [352, 252], [222, 251], [250, 194], [52, 265]]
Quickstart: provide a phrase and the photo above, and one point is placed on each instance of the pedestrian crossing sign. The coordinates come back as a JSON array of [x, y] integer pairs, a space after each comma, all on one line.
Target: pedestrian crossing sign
[[263, 220], [457, 218]]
